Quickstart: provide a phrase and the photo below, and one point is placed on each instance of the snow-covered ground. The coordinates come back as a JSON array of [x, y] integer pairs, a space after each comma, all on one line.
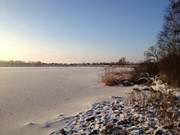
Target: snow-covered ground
[[29, 97]]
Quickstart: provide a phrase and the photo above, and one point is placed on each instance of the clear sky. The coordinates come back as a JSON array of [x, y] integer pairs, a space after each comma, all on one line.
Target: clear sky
[[78, 30]]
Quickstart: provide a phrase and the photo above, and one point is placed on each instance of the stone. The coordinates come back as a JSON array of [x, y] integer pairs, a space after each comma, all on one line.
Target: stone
[[63, 132], [117, 131], [159, 132], [127, 83], [146, 74], [92, 118], [47, 125], [94, 132], [31, 124], [142, 80]]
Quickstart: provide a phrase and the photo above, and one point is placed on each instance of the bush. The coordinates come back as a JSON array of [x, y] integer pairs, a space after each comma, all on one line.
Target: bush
[[146, 67], [114, 76], [108, 78], [170, 69], [163, 102]]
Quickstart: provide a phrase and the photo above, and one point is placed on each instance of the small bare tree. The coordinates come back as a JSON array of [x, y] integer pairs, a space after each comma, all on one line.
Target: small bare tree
[[152, 54], [122, 61]]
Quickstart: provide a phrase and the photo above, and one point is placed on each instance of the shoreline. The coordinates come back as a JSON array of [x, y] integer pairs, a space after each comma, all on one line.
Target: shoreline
[[119, 116]]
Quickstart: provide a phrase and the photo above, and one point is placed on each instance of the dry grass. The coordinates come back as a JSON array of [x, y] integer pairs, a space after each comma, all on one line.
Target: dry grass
[[138, 97], [113, 76], [108, 78], [167, 67], [165, 104]]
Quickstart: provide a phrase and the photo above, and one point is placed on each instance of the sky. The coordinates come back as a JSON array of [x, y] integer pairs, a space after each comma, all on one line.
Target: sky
[[78, 30]]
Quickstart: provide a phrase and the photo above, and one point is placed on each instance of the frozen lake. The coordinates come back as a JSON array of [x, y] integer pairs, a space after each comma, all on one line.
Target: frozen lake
[[37, 95]]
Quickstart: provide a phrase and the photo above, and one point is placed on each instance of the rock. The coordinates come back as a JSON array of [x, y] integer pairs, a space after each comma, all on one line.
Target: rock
[[127, 83], [117, 131], [114, 108], [142, 80], [115, 121], [92, 118], [109, 125], [31, 124], [159, 132], [46, 125], [146, 74], [124, 122], [53, 133], [94, 132], [135, 132], [63, 132], [98, 112], [149, 82], [137, 89], [146, 89]]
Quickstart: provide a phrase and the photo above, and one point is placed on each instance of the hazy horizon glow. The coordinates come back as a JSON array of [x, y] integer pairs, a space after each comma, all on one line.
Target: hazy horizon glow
[[78, 30]]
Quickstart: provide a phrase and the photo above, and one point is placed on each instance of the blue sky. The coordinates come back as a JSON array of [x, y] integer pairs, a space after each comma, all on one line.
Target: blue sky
[[78, 30]]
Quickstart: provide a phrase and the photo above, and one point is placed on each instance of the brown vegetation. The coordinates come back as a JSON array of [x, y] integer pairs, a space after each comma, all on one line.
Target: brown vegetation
[[109, 79], [170, 69], [164, 103], [113, 76], [146, 67], [164, 57]]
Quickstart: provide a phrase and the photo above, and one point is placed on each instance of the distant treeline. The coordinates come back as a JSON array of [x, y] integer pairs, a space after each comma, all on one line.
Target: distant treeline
[[42, 64]]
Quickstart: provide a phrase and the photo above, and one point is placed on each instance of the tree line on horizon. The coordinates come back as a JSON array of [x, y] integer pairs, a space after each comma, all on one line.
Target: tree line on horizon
[[122, 61]]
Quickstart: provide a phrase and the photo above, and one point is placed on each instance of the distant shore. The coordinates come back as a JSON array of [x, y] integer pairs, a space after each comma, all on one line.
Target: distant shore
[[43, 64]]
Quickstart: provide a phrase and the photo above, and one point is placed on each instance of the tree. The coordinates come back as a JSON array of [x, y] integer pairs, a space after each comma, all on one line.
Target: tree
[[166, 53], [167, 40], [152, 54], [122, 61], [169, 37]]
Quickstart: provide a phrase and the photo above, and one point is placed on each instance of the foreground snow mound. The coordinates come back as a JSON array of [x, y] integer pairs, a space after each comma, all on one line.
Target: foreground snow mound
[[113, 117]]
